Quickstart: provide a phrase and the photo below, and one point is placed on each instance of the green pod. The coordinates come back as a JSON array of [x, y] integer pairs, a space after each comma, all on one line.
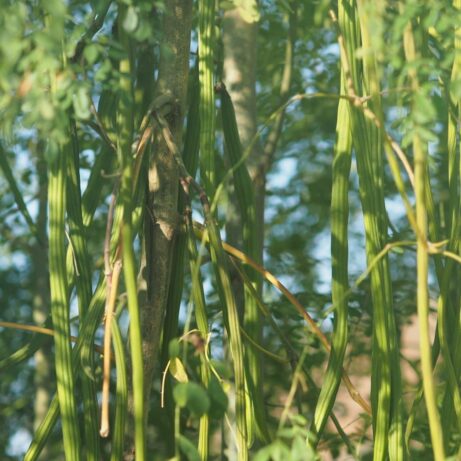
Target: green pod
[[339, 257], [246, 201]]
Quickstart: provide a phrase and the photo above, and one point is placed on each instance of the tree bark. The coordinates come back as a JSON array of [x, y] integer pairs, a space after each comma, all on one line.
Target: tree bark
[[161, 218], [240, 54]]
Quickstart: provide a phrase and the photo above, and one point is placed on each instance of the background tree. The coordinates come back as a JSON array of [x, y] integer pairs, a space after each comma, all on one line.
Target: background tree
[[166, 166]]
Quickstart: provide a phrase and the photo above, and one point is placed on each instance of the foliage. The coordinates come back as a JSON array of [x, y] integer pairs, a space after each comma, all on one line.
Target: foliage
[[117, 136]]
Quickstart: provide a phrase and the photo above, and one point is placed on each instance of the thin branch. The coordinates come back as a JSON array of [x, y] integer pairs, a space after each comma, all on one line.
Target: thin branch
[[110, 304], [99, 127], [97, 23], [43, 331]]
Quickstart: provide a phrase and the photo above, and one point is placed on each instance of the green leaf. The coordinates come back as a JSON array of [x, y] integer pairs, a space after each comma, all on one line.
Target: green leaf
[[178, 371], [192, 396], [173, 348], [187, 448], [425, 134], [276, 451], [131, 19], [51, 152], [198, 402], [103, 72], [91, 53], [298, 449], [46, 109], [423, 109], [180, 394], [264, 454], [81, 102]]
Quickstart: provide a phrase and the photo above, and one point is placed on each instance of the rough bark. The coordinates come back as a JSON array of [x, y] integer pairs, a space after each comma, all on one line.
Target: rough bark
[[161, 217]]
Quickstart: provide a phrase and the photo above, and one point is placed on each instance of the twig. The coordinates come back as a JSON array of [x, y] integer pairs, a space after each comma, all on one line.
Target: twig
[[112, 279], [99, 127], [104, 429], [42, 331], [96, 24]]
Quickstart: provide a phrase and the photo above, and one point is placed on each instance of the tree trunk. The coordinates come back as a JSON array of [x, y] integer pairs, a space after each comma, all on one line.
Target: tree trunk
[[240, 39], [161, 217]]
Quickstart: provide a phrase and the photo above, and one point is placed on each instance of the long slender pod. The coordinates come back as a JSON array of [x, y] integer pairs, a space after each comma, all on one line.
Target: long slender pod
[[292, 354], [396, 445], [60, 304], [220, 263], [339, 256], [368, 145], [448, 320], [121, 392], [247, 206], [190, 156], [124, 141], [82, 273], [208, 173], [201, 317], [207, 97], [94, 315]]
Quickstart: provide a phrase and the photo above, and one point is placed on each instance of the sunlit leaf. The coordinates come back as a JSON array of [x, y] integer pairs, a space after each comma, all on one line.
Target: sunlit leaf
[[192, 396], [178, 371], [131, 19], [81, 102]]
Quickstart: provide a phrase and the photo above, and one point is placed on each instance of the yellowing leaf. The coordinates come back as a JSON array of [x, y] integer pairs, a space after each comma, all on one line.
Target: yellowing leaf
[[178, 371]]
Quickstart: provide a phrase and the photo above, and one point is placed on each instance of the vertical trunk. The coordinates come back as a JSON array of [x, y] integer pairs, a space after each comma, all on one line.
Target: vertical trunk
[[161, 219], [239, 39]]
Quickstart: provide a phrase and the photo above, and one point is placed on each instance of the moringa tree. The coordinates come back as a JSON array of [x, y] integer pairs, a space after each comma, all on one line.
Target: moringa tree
[[135, 136]]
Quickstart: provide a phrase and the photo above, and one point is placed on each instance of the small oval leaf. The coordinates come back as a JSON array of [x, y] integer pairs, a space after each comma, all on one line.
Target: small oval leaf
[[173, 348], [192, 396], [131, 19], [178, 371]]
